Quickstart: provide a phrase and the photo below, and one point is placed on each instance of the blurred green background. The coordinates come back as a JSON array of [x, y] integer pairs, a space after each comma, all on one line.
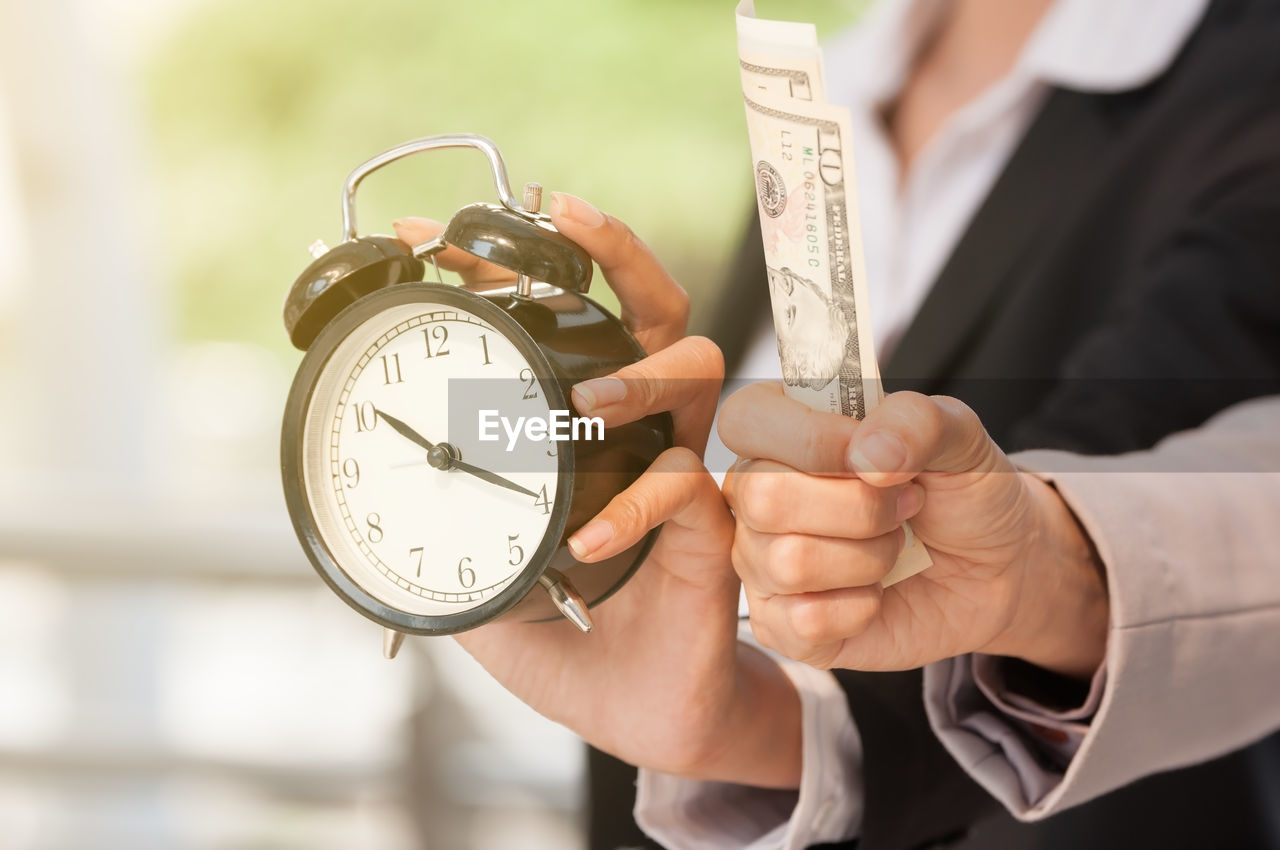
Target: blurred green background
[[260, 109]]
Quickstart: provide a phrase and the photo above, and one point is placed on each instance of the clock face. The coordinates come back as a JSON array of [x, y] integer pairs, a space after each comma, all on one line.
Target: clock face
[[417, 487]]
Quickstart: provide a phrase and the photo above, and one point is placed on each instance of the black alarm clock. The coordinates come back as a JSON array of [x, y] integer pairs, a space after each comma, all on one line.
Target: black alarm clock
[[432, 461]]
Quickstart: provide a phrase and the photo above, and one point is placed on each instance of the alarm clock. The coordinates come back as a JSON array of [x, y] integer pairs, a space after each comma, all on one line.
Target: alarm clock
[[413, 494]]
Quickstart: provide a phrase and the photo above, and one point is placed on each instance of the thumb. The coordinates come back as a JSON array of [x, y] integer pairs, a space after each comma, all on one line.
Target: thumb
[[679, 494], [909, 433]]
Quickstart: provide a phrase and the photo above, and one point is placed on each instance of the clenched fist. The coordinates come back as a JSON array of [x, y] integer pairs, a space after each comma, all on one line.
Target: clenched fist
[[820, 500]]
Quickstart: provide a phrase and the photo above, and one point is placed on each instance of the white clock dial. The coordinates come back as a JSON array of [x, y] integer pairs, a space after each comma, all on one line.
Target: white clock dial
[[421, 539]]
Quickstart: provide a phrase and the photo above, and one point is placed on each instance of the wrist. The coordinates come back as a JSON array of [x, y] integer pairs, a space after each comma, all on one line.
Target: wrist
[[1063, 613], [760, 741]]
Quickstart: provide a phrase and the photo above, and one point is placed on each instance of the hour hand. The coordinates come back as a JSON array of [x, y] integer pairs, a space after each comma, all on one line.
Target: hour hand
[[404, 430]]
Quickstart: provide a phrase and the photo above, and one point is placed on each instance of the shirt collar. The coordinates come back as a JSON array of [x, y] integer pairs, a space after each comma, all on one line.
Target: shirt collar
[[1101, 46], [1109, 46]]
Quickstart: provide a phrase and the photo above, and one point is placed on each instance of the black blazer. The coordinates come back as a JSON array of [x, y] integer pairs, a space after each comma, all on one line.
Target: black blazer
[[1120, 282]]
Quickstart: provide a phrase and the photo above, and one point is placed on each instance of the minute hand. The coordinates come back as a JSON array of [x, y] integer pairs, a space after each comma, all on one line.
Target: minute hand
[[486, 475]]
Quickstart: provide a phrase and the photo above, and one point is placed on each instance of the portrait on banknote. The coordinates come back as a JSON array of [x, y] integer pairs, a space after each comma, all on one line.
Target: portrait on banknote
[[813, 329]]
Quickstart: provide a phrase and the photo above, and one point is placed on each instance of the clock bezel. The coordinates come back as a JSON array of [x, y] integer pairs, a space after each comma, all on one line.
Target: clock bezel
[[301, 514]]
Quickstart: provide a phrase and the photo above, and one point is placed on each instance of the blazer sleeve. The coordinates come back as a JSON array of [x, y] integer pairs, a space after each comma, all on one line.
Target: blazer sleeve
[[1188, 534]]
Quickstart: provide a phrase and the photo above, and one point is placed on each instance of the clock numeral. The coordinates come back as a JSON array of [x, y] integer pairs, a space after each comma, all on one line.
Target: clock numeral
[[484, 343], [375, 528], [436, 337], [416, 550], [391, 369], [513, 548], [366, 417], [542, 501], [351, 472], [466, 575], [527, 376], [552, 451]]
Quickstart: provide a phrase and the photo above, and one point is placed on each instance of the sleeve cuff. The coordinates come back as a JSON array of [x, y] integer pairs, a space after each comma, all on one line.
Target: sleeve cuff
[[981, 705], [1040, 735], [1049, 725], [698, 815], [991, 674], [1172, 621]]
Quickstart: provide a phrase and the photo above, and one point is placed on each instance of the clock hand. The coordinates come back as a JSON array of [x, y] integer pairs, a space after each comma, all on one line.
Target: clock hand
[[405, 430], [445, 456], [466, 467], [486, 475]]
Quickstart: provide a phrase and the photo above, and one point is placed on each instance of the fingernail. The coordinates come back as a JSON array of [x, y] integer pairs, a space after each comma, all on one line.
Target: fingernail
[[590, 537], [416, 223], [910, 501], [575, 209], [878, 452], [597, 393]]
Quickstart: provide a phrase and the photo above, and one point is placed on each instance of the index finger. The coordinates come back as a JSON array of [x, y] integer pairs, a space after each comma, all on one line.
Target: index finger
[[760, 421], [654, 306], [906, 434]]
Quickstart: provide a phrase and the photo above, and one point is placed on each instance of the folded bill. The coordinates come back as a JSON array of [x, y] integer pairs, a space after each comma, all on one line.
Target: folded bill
[[806, 190]]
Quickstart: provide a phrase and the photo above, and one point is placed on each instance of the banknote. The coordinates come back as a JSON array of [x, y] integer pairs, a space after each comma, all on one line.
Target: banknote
[[778, 58], [806, 192], [804, 179]]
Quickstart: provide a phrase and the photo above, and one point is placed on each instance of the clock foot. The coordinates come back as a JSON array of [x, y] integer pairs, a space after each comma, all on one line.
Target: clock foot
[[391, 642], [566, 598]]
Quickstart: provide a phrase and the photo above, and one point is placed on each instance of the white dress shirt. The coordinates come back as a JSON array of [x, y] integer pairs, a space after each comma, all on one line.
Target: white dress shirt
[[909, 229]]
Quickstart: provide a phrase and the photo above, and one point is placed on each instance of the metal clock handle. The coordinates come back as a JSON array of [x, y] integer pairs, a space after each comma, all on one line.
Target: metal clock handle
[[427, 143]]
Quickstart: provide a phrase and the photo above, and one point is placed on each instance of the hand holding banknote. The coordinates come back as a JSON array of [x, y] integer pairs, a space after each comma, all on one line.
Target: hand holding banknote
[[821, 544], [1013, 573], [806, 189]]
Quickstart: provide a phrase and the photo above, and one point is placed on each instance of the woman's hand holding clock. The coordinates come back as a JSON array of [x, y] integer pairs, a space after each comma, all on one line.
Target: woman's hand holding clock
[[662, 682]]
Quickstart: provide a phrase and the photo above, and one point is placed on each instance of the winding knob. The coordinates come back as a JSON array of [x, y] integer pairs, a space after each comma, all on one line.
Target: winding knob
[[532, 197]]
